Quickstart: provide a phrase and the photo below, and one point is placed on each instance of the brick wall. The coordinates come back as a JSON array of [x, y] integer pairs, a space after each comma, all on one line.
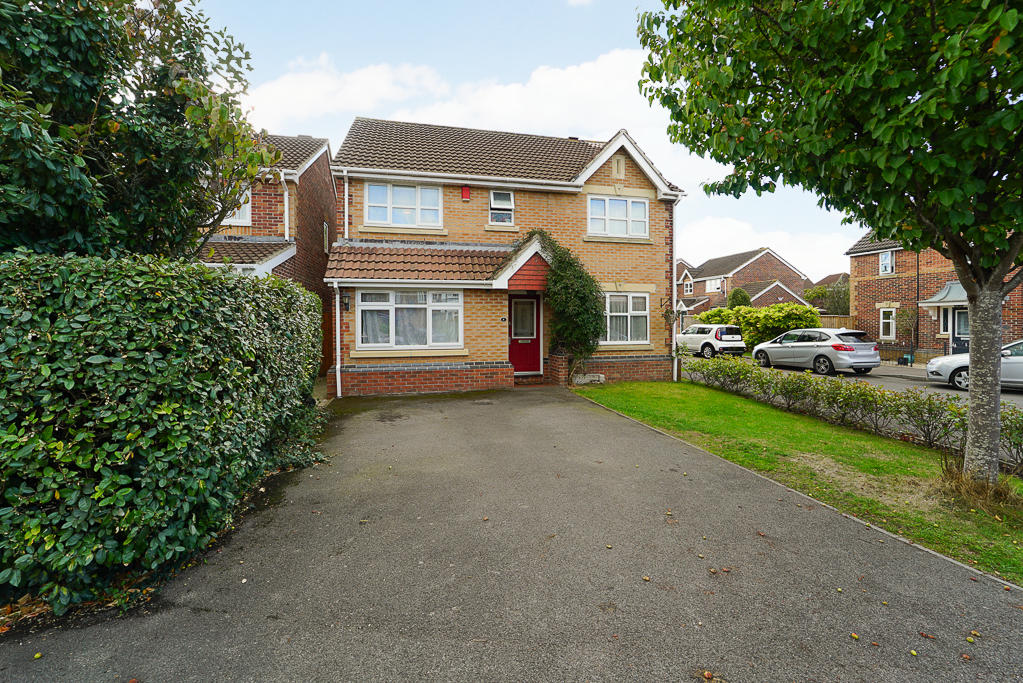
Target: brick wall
[[767, 267], [871, 291], [266, 206], [531, 276], [421, 378]]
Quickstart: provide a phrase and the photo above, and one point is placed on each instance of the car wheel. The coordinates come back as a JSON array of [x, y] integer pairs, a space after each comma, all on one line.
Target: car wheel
[[708, 351], [763, 360], [822, 365], [960, 379], [861, 371]]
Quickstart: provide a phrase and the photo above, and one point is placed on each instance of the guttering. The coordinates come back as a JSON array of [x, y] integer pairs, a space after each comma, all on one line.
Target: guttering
[[437, 284], [674, 293]]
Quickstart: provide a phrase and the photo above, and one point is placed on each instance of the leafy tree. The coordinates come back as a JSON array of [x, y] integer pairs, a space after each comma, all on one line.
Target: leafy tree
[[738, 297], [833, 298], [906, 115], [120, 128], [575, 299]]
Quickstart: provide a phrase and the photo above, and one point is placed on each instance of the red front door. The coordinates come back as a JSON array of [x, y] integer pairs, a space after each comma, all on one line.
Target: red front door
[[524, 332]]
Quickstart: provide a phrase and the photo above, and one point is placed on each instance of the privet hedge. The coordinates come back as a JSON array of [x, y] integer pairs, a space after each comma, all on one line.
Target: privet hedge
[[139, 399], [764, 323], [937, 420]]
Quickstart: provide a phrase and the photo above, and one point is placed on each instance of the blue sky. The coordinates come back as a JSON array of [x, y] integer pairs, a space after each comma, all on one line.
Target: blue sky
[[559, 67]]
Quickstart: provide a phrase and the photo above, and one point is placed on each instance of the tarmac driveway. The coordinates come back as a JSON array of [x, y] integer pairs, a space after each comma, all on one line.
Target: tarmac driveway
[[508, 536]]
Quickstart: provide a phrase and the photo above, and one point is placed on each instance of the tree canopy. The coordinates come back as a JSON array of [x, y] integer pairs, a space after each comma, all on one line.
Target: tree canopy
[[738, 297], [906, 115], [120, 127]]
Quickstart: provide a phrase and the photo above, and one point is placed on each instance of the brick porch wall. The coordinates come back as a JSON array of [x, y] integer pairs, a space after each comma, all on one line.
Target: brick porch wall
[[421, 378], [632, 368]]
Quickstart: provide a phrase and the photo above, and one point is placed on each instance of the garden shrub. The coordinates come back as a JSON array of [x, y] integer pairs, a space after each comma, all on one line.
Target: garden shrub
[[929, 416], [140, 399], [793, 389], [1012, 438], [761, 324]]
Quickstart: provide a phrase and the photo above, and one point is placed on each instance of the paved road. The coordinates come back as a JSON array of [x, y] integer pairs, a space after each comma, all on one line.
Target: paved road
[[465, 538]]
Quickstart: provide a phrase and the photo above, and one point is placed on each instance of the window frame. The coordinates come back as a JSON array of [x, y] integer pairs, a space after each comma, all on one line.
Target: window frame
[[238, 216], [881, 324], [391, 305], [390, 206], [687, 287], [629, 220], [716, 280], [881, 263], [493, 208], [628, 316], [955, 314], [945, 320], [326, 237]]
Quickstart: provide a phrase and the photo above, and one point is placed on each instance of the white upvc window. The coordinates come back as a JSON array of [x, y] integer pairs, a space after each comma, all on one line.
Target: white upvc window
[[412, 206], [408, 319], [887, 326], [886, 263], [502, 207], [687, 287], [618, 217], [243, 214], [714, 285], [628, 318]]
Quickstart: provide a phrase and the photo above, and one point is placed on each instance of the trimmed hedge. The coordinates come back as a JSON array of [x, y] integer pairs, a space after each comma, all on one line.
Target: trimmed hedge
[[140, 398], [761, 324], [937, 420]]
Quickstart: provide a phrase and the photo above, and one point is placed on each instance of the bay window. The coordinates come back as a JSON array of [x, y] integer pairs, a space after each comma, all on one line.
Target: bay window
[[409, 319], [403, 205], [618, 217], [627, 318]]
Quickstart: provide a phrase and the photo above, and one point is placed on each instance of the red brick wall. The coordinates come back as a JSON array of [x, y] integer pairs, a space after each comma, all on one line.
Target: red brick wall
[[531, 276], [870, 291], [775, 295], [767, 267], [315, 204], [266, 207], [411, 378]]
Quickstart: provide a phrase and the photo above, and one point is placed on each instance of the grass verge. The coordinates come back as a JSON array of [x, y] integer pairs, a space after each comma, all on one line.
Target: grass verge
[[889, 483]]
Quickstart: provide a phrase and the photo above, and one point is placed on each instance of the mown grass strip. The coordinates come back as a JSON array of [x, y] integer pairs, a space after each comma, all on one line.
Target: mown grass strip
[[891, 484]]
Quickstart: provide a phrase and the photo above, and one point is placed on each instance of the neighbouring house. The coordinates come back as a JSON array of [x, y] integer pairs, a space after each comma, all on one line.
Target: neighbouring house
[[762, 273], [435, 288], [831, 280], [286, 225], [913, 301]]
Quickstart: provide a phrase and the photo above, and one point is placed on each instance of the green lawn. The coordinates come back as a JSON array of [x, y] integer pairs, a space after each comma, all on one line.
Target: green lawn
[[889, 483]]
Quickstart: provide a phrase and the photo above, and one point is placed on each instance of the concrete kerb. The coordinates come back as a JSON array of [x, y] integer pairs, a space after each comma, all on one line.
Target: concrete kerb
[[846, 515]]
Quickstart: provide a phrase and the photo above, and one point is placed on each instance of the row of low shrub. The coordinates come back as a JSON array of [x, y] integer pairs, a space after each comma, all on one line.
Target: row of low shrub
[[762, 324], [934, 419], [140, 398]]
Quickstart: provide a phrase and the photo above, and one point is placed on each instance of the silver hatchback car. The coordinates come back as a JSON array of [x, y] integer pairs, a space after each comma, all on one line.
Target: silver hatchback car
[[822, 349]]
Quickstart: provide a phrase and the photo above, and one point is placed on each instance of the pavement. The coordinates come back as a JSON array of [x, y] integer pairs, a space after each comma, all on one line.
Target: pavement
[[510, 536]]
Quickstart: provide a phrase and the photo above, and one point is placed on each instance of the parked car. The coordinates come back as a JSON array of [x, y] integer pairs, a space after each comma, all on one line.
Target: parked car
[[955, 368], [824, 350], [710, 340]]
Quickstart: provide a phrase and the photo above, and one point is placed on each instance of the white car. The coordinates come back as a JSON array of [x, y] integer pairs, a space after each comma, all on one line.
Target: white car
[[955, 369], [709, 340]]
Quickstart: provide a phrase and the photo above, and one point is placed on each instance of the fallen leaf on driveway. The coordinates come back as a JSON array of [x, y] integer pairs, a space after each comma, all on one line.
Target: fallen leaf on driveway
[[760, 533], [927, 635], [646, 578]]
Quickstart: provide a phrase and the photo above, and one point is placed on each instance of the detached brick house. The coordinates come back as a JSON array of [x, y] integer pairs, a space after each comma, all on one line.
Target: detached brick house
[[433, 286], [915, 301], [285, 227], [762, 273]]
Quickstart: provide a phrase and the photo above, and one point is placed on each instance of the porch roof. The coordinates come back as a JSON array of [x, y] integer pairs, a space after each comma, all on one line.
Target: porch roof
[[405, 260], [952, 294], [241, 252]]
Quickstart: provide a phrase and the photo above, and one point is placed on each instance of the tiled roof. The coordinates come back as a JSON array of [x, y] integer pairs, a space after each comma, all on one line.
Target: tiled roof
[[296, 149], [867, 243], [389, 260], [722, 265], [754, 288], [241, 252], [375, 143], [680, 267], [691, 301], [832, 279]]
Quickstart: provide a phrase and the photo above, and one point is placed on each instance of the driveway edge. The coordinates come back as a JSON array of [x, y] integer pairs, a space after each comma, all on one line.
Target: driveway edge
[[868, 525]]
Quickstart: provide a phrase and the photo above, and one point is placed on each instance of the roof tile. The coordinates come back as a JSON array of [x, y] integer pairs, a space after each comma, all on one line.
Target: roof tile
[[241, 253], [383, 260], [296, 149]]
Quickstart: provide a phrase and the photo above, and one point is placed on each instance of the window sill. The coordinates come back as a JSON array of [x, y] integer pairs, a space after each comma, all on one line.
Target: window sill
[[618, 240], [604, 346], [410, 353], [406, 231], [500, 228]]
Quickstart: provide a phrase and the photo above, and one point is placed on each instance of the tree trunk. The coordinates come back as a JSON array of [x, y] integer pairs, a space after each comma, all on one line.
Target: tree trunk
[[982, 441]]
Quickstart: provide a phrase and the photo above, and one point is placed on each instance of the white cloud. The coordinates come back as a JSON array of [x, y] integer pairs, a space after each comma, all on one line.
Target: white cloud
[[593, 100], [710, 236], [316, 88]]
